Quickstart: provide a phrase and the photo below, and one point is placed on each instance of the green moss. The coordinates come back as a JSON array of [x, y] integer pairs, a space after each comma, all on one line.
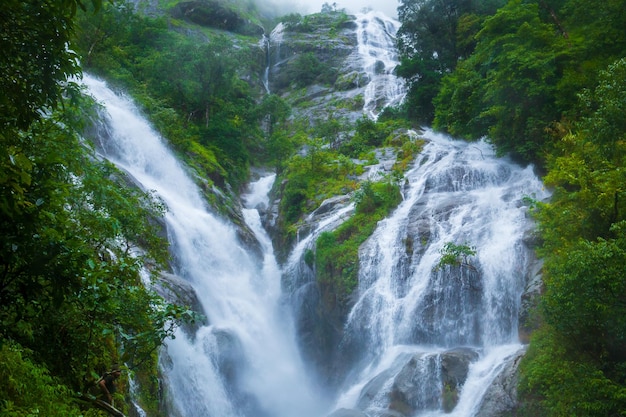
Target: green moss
[[450, 398], [337, 252]]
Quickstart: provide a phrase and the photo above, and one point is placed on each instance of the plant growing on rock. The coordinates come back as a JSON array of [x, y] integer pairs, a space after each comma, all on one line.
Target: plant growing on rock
[[456, 256]]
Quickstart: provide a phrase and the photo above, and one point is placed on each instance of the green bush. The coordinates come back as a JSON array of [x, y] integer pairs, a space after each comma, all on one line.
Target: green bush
[[27, 389]]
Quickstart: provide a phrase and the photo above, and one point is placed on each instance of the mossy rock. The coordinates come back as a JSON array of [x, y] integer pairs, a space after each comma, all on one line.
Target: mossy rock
[[350, 81]]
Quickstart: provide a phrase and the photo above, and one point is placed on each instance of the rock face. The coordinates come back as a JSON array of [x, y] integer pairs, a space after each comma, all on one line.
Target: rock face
[[317, 65], [325, 40], [178, 291], [344, 412], [319, 318], [530, 299], [408, 393], [501, 398]]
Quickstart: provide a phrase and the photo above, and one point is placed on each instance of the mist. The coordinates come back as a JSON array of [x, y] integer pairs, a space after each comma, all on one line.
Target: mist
[[389, 7]]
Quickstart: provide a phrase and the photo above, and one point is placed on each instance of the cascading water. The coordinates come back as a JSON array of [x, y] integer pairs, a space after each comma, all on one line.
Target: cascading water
[[426, 338], [275, 38], [376, 37], [244, 362], [421, 340]]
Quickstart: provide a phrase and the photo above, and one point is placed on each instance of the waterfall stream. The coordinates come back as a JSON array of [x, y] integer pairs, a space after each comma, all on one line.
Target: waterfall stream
[[421, 339], [245, 361], [420, 329], [376, 38]]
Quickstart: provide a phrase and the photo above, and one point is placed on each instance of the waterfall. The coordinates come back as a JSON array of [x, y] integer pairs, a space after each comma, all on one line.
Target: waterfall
[[245, 361], [275, 38], [421, 339], [422, 333], [264, 44], [376, 38]]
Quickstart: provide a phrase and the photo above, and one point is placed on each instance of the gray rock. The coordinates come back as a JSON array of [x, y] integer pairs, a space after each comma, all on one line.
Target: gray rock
[[528, 322], [216, 15], [372, 390], [454, 369], [178, 291], [400, 390], [500, 400], [409, 393], [455, 365]]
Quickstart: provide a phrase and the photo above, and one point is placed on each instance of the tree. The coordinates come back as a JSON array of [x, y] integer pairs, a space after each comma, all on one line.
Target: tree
[[432, 39], [507, 89], [70, 285], [576, 362], [35, 60], [70, 275], [456, 255], [35, 66]]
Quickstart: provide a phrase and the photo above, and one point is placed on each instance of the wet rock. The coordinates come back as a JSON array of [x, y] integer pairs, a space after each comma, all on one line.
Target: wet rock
[[528, 320], [500, 400], [454, 369], [178, 291], [344, 412], [455, 365], [228, 354], [372, 390], [409, 393], [328, 206], [400, 390], [351, 80]]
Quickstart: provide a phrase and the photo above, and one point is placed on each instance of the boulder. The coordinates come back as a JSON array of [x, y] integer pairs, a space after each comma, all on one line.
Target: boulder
[[454, 369], [178, 291], [400, 390]]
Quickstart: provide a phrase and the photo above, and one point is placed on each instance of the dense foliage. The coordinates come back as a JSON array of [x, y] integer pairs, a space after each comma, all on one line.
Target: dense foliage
[[433, 37], [72, 300], [546, 81], [334, 155]]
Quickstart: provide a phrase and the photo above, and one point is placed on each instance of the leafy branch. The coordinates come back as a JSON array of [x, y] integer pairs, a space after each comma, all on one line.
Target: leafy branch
[[456, 255]]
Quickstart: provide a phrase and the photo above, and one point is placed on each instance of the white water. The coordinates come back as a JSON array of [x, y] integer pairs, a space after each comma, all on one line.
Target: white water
[[274, 39], [245, 362], [376, 37], [460, 193]]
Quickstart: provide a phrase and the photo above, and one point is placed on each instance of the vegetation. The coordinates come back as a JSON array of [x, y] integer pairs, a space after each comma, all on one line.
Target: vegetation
[[545, 81], [433, 38], [72, 301], [329, 166], [189, 87], [337, 252], [312, 33], [331, 170], [456, 255], [329, 19]]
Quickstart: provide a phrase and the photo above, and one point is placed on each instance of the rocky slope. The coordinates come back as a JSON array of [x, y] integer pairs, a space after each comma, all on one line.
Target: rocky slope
[[321, 64]]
